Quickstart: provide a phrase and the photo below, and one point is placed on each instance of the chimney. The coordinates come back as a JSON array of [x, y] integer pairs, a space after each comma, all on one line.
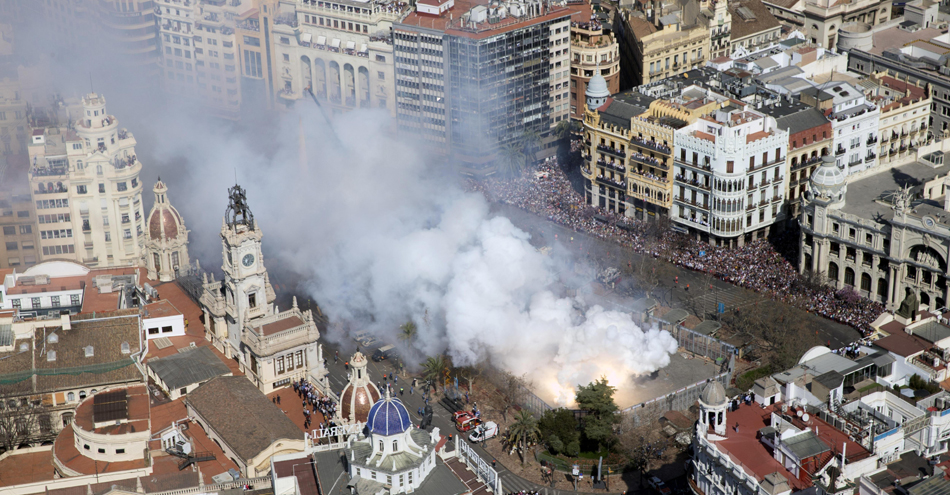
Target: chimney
[[65, 322]]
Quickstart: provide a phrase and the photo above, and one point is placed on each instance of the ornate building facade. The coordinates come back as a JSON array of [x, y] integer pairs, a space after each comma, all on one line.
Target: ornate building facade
[[882, 238], [273, 348], [84, 179], [167, 244]]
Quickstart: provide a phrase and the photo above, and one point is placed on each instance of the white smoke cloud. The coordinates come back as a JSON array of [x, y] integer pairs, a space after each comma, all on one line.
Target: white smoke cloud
[[378, 232]]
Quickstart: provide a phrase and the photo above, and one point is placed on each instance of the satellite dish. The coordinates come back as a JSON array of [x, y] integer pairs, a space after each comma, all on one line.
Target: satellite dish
[[805, 418], [800, 413]]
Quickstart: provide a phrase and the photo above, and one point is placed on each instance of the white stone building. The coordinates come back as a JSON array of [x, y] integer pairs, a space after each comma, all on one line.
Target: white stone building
[[342, 50], [272, 347], [85, 183], [854, 121], [729, 174]]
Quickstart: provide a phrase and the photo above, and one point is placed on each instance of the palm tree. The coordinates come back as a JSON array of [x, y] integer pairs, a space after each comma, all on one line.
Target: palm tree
[[513, 159], [564, 129], [407, 331], [434, 369], [530, 143], [524, 429]]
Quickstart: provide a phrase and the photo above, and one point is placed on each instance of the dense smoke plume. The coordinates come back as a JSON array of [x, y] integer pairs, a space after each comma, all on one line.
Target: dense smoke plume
[[378, 232]]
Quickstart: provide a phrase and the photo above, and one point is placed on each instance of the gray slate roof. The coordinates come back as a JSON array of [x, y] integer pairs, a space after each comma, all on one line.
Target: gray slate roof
[[619, 113], [801, 121], [242, 415], [189, 367]]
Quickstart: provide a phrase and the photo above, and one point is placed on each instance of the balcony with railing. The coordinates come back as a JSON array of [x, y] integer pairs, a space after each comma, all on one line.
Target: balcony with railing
[[611, 182], [872, 140], [661, 181], [695, 165], [840, 151], [612, 166], [647, 160], [650, 144], [691, 182], [612, 151]]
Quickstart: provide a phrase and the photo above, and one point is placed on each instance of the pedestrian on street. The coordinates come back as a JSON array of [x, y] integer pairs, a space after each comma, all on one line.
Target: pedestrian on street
[[493, 463], [395, 378], [336, 357], [466, 397], [410, 390], [401, 391], [278, 400], [420, 411]]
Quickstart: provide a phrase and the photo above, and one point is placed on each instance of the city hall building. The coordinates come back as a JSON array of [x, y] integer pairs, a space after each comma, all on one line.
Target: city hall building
[[882, 233]]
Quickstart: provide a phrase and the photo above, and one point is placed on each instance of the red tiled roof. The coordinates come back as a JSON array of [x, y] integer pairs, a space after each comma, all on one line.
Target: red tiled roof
[[27, 468], [280, 325], [137, 400], [161, 309], [755, 136]]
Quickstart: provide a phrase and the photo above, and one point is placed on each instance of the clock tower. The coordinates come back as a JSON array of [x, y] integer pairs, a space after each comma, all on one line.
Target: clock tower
[[247, 291], [274, 349]]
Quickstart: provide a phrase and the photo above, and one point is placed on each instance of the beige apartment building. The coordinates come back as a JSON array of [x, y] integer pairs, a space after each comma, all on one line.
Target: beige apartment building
[[13, 108], [719, 18], [905, 112], [17, 229], [753, 25], [84, 181], [127, 26], [213, 51], [820, 20], [593, 49], [674, 44], [628, 146], [342, 50]]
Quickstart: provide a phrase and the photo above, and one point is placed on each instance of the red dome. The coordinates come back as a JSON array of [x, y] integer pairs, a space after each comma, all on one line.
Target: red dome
[[358, 402]]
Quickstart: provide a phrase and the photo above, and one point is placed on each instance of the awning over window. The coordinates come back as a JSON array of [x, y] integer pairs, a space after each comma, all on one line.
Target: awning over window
[[335, 43], [321, 40], [363, 48], [305, 37], [350, 45]]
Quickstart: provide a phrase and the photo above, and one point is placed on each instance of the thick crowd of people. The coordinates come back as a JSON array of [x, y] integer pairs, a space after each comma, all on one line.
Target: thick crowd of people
[[317, 402], [758, 265]]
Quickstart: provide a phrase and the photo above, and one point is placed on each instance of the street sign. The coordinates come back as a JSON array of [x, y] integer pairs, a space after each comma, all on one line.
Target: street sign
[[722, 308]]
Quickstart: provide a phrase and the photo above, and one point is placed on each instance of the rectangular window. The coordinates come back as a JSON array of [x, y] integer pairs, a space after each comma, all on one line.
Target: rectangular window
[[167, 329], [26, 229], [122, 186], [280, 365], [54, 300], [153, 331], [74, 300]]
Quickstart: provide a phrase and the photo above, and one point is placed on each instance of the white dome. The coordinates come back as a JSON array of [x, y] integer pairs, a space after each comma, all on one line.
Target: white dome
[[713, 394], [597, 87], [828, 174]]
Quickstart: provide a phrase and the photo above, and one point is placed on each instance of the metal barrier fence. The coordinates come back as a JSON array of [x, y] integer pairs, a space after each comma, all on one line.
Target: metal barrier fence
[[534, 404], [702, 345], [482, 469], [680, 400]]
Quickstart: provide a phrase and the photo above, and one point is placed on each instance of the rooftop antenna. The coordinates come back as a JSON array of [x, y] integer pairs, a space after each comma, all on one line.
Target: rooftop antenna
[[91, 89]]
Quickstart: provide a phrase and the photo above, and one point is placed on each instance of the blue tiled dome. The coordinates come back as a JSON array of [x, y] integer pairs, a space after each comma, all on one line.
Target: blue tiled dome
[[388, 417]]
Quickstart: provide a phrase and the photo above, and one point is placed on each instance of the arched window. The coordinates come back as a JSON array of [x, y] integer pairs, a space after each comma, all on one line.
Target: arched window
[[882, 288], [82, 394], [380, 445], [866, 282], [395, 445], [849, 276], [70, 397], [833, 271]]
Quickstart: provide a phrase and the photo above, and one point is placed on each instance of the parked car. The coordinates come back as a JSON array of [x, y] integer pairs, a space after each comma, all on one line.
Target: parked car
[[658, 485], [484, 432]]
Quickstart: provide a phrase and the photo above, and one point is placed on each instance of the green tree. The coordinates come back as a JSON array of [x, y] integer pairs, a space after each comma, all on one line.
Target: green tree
[[512, 160], [407, 331], [434, 368], [530, 144], [565, 129], [641, 441], [524, 430], [597, 398], [559, 429]]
